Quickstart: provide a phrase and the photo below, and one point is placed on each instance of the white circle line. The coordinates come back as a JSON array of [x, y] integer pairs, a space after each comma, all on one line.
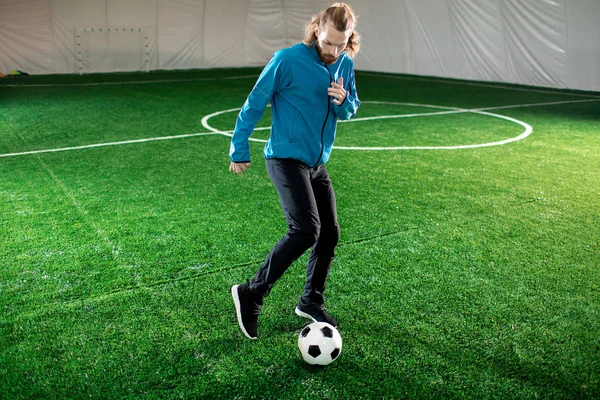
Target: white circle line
[[451, 110]]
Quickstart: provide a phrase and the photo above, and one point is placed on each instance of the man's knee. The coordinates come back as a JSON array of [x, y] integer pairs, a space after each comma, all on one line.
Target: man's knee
[[307, 235]]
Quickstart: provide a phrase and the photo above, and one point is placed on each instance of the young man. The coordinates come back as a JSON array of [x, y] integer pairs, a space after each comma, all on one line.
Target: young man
[[309, 85]]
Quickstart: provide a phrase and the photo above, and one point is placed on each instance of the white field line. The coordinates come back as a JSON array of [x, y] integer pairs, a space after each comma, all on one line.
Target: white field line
[[91, 146], [134, 82], [214, 131], [450, 82]]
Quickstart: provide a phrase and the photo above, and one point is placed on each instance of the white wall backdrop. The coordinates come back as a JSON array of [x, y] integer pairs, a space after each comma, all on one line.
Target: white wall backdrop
[[552, 43]]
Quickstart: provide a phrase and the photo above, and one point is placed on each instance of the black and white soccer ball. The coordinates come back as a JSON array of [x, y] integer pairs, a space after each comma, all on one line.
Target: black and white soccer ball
[[320, 343]]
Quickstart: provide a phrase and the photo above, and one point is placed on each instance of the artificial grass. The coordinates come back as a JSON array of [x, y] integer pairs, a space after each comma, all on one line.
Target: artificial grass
[[460, 273]]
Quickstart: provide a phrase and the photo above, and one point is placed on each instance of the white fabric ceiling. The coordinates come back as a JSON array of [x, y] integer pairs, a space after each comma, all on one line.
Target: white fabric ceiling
[[552, 43]]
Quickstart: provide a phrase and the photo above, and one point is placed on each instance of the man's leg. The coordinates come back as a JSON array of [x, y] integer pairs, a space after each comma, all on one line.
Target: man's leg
[[292, 181], [323, 252]]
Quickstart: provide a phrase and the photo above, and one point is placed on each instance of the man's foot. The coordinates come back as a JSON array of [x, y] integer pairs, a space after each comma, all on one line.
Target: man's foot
[[247, 308], [315, 312]]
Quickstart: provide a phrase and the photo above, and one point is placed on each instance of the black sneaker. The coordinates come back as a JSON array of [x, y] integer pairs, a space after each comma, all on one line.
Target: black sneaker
[[247, 308], [315, 312]]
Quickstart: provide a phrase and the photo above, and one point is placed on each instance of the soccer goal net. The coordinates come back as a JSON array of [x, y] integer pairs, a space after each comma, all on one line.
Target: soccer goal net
[[112, 49]]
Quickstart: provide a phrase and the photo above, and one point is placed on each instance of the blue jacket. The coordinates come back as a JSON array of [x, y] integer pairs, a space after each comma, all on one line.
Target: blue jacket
[[295, 82]]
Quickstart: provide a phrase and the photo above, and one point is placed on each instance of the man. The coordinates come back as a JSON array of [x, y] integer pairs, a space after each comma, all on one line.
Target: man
[[309, 85]]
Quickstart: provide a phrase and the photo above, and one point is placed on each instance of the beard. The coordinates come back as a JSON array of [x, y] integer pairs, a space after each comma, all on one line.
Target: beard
[[326, 58]]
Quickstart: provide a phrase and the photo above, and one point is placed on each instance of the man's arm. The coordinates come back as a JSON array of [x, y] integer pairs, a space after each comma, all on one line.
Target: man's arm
[[253, 110]]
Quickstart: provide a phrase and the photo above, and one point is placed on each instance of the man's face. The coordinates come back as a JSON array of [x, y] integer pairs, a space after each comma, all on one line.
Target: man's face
[[330, 42]]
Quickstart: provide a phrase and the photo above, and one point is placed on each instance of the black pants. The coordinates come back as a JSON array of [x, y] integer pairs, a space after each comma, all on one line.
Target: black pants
[[308, 202]]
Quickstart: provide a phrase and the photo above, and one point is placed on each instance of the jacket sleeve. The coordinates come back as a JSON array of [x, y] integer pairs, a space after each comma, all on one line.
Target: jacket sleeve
[[350, 105], [254, 108]]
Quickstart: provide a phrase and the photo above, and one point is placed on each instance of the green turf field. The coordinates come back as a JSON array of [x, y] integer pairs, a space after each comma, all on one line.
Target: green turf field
[[467, 266]]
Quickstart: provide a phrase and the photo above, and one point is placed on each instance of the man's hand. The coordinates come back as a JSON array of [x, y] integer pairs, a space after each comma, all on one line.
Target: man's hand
[[238, 168], [337, 91]]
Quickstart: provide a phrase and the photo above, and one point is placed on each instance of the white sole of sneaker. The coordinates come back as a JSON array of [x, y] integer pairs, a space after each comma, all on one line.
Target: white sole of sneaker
[[303, 314], [238, 309]]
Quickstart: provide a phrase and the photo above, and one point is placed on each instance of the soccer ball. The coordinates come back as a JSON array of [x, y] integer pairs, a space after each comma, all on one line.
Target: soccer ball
[[320, 343]]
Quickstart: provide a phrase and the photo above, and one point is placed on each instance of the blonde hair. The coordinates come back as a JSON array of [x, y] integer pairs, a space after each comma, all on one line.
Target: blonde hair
[[343, 18]]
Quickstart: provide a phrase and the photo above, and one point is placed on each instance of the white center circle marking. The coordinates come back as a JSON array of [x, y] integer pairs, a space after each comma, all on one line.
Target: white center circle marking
[[447, 111]]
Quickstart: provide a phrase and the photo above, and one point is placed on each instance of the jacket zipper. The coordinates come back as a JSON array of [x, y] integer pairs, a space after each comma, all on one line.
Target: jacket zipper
[[324, 122]]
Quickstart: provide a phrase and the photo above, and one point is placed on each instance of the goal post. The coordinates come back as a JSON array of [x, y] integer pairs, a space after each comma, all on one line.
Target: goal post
[[112, 49]]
